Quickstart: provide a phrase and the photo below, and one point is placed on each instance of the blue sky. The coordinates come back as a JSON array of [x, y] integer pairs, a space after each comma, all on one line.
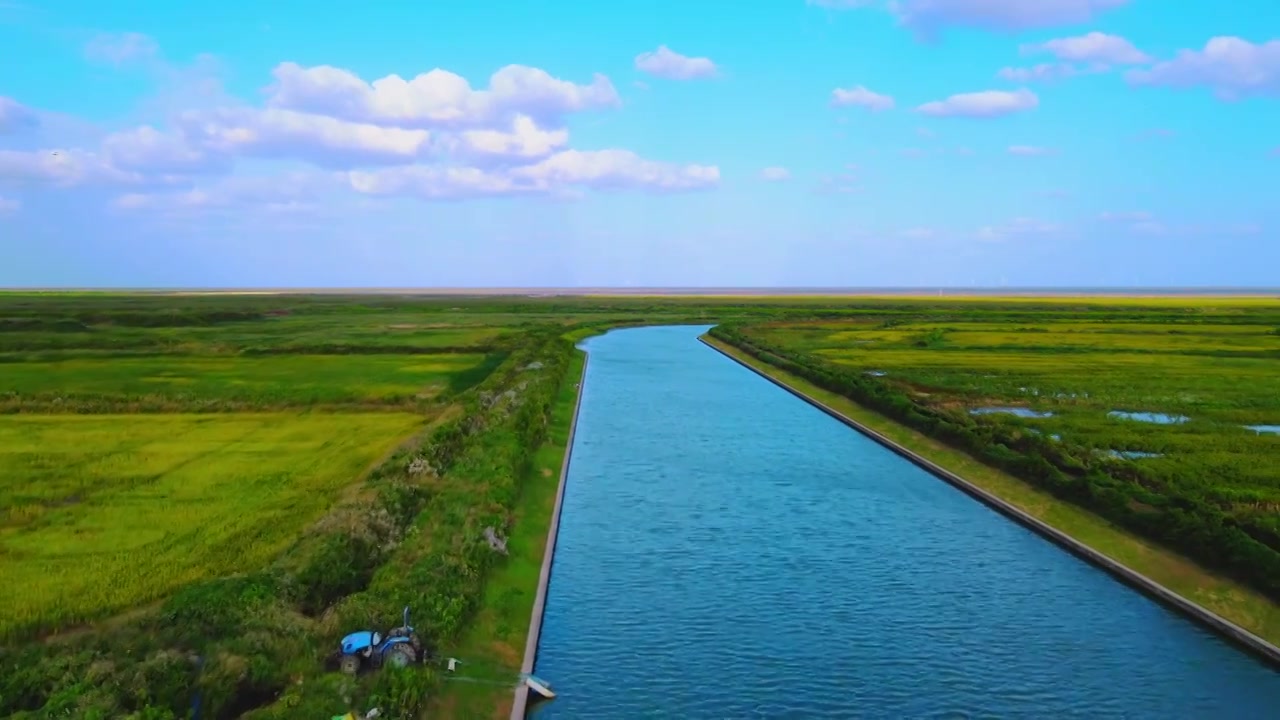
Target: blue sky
[[640, 142]]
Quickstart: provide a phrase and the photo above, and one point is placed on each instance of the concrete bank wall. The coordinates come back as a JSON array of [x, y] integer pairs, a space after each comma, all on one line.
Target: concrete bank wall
[[1240, 636], [519, 707]]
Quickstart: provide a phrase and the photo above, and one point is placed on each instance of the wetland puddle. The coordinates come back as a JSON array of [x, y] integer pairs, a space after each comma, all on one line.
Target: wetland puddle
[[1130, 454], [1019, 411], [1149, 417]]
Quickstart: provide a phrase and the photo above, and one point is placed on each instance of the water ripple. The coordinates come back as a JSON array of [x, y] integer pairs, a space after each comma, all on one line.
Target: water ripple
[[727, 551]]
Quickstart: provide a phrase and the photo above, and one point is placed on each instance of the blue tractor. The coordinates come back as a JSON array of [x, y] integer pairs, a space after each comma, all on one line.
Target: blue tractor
[[400, 647]]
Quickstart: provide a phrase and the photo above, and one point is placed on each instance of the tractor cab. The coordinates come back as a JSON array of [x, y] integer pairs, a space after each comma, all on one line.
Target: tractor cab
[[360, 643]]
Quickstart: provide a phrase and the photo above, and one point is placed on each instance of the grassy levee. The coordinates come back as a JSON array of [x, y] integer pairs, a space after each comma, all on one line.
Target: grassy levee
[[1224, 596], [494, 641]]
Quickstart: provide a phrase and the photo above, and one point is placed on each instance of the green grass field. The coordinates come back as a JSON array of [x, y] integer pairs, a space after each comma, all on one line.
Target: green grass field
[[257, 539], [101, 513], [1223, 376], [267, 381]]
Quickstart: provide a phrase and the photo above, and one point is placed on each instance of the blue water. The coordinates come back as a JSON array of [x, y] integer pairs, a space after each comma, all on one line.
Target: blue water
[[1131, 454], [1159, 418], [1019, 411], [728, 551]]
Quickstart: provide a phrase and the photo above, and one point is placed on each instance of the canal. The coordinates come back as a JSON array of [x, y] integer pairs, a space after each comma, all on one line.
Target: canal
[[728, 551]]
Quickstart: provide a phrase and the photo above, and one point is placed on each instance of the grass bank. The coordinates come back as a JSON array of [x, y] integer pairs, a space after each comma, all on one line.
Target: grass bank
[[493, 644], [1225, 597]]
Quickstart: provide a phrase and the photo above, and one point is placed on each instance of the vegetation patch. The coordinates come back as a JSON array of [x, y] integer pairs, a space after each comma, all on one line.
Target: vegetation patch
[[493, 642], [102, 513], [213, 382]]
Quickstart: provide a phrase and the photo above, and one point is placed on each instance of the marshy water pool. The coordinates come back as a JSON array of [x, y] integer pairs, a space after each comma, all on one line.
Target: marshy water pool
[[1018, 411], [1149, 417], [729, 551]]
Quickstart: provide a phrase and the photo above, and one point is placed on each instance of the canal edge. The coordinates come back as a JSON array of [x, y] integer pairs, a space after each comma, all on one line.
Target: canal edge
[[1154, 590], [520, 706]]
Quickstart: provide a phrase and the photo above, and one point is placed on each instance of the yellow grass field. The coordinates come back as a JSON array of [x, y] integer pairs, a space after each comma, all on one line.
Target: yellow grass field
[[101, 513]]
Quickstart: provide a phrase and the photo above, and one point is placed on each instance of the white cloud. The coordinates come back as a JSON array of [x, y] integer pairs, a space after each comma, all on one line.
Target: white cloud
[[147, 149], [1030, 150], [1144, 223], [988, 103], [275, 132], [1017, 228], [599, 169], [618, 169], [524, 140], [120, 48], [287, 191], [1232, 67], [437, 98], [929, 16], [59, 167], [775, 174], [861, 97], [1044, 72], [9, 206], [432, 136], [15, 116], [1094, 47], [667, 63]]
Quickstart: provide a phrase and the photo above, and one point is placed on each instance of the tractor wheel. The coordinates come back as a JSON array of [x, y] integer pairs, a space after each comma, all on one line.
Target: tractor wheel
[[349, 664], [398, 656]]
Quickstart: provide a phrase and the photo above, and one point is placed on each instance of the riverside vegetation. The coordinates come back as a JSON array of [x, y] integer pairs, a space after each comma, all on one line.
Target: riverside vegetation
[[200, 494]]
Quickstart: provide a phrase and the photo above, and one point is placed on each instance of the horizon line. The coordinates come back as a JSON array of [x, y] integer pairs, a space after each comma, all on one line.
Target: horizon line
[[580, 290]]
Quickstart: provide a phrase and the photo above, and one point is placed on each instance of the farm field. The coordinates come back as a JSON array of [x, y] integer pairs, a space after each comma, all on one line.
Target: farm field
[[248, 478], [1137, 416], [267, 381], [361, 444], [99, 513]]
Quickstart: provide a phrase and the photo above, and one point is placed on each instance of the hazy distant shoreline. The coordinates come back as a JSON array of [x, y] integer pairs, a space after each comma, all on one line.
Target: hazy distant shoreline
[[690, 291]]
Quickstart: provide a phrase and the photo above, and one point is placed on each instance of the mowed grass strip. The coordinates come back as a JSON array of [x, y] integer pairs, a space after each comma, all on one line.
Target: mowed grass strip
[[1225, 597], [268, 381], [493, 645], [101, 513]]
